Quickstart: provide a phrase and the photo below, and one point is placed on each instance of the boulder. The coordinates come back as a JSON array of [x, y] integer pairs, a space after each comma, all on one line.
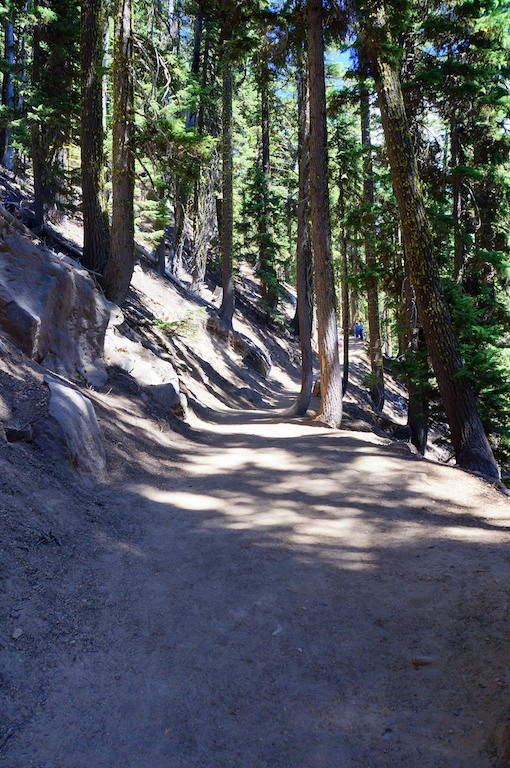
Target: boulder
[[258, 361], [78, 426], [157, 377], [254, 357], [50, 307], [253, 397]]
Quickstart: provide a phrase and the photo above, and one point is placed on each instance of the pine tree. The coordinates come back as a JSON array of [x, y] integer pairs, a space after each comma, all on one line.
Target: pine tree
[[472, 449], [304, 265], [374, 330], [119, 269], [331, 380], [96, 226], [52, 98]]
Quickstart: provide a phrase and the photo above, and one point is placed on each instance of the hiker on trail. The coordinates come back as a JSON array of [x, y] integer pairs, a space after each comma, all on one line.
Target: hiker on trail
[[360, 330]]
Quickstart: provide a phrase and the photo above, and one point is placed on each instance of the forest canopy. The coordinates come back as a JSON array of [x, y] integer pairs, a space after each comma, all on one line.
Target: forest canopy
[[356, 151]]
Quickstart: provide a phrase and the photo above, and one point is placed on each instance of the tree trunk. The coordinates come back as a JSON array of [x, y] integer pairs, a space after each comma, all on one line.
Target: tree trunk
[[8, 95], [331, 377], [345, 287], [266, 269], [228, 302], [183, 184], [458, 242], [303, 251], [374, 326], [96, 225], [41, 193], [355, 269], [204, 79], [119, 269], [472, 449], [417, 406]]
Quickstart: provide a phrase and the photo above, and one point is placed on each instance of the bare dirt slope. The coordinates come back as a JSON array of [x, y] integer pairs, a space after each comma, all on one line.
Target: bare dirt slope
[[248, 592]]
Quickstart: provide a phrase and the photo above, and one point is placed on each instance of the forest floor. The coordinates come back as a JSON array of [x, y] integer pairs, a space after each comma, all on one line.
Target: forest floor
[[250, 591]]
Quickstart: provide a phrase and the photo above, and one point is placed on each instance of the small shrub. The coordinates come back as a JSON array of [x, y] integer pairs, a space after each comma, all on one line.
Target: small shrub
[[188, 325]]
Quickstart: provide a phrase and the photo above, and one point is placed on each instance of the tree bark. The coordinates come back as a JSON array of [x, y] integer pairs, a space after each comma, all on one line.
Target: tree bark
[[119, 269], [266, 269], [331, 377], [472, 449], [458, 242], [8, 95], [96, 225], [41, 192], [417, 406], [345, 287], [374, 326], [228, 302], [304, 267]]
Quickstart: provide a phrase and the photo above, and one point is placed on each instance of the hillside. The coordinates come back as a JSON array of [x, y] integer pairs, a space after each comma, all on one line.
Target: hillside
[[242, 589]]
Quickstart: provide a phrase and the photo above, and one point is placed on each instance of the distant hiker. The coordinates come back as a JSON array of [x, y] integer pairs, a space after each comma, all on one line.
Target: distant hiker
[[360, 330], [357, 326]]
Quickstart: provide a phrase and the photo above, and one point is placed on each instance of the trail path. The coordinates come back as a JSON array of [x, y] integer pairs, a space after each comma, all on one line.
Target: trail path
[[262, 594]]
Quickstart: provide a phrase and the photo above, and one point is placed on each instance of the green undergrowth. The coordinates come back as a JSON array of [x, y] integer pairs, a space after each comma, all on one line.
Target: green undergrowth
[[187, 326]]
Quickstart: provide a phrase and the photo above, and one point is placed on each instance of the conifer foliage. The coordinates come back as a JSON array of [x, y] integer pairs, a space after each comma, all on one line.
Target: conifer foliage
[[188, 127]]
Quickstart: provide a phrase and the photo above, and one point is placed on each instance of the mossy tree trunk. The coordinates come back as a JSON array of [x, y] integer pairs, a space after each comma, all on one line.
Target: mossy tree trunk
[[96, 225], [472, 449], [331, 377], [119, 269]]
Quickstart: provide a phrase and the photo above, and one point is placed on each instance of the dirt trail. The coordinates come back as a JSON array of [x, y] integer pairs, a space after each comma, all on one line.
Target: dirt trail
[[260, 594]]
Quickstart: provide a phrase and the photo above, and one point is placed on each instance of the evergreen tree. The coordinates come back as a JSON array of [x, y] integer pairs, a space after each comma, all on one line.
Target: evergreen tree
[[374, 330], [96, 227], [304, 264], [119, 269], [331, 381], [8, 91], [472, 449], [52, 98]]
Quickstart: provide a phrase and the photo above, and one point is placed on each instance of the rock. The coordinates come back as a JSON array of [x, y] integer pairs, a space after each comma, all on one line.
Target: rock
[[257, 360], [253, 356], [76, 418], [403, 432], [15, 435], [50, 308], [252, 396], [17, 633], [152, 374], [180, 409]]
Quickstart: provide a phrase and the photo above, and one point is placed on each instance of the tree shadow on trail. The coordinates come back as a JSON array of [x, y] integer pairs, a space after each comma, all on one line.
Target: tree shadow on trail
[[230, 636], [288, 599]]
